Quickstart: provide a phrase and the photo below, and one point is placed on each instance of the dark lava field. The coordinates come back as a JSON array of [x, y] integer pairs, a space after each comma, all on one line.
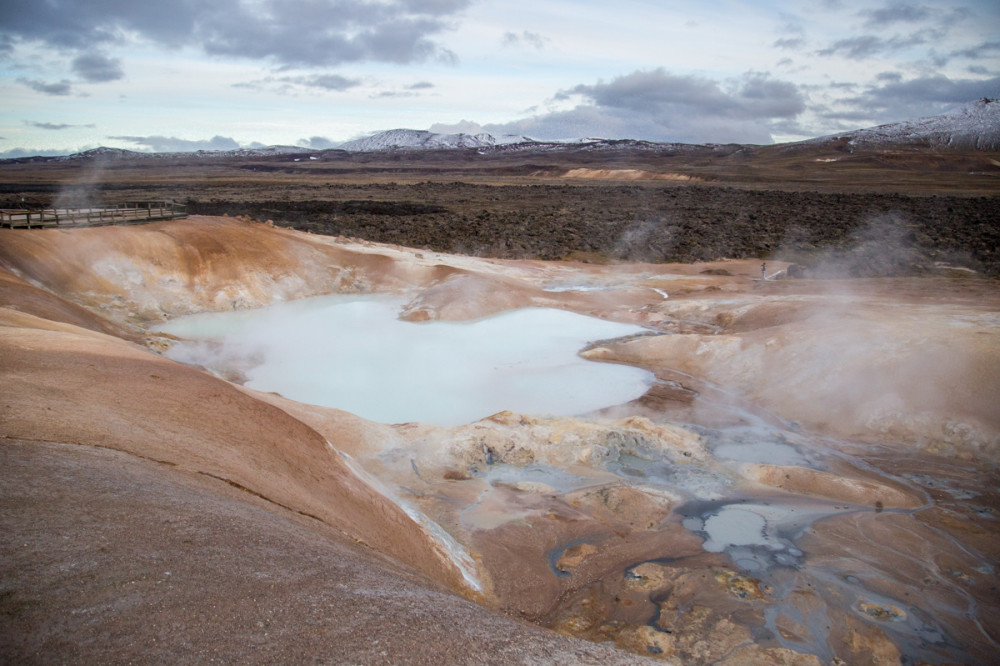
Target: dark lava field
[[859, 234], [881, 212]]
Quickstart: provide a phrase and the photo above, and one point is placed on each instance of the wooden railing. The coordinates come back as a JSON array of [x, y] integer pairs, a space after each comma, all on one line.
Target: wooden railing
[[127, 213]]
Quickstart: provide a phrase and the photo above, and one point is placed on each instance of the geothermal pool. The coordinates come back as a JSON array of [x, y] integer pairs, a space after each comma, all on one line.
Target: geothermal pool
[[353, 353]]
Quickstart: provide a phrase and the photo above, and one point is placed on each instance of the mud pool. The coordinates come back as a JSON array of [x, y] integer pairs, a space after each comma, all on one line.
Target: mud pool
[[782, 543], [353, 353], [667, 553]]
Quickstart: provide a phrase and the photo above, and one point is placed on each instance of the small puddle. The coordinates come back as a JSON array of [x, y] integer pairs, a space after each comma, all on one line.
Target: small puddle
[[756, 536], [556, 554], [761, 444]]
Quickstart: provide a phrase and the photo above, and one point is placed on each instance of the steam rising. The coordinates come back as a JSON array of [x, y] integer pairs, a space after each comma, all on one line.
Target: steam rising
[[82, 193], [355, 354], [889, 245]]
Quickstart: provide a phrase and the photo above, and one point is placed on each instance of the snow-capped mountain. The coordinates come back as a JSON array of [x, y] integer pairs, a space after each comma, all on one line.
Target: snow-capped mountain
[[265, 151], [103, 152], [976, 126], [106, 153], [415, 140], [406, 139]]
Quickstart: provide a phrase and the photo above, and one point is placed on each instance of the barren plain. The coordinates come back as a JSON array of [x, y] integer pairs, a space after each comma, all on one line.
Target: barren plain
[[810, 478]]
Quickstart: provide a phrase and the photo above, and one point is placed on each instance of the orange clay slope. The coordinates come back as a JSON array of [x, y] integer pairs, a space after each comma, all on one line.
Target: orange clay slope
[[69, 375]]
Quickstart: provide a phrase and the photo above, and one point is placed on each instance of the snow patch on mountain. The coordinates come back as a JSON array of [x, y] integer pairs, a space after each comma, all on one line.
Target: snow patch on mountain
[[975, 126], [407, 139], [413, 140], [106, 153]]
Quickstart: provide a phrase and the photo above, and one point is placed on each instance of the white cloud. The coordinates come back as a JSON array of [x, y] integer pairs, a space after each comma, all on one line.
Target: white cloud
[[524, 38], [170, 144], [314, 142], [662, 106]]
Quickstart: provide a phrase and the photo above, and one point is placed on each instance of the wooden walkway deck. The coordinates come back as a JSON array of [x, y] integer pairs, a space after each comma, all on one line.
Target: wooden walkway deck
[[128, 213]]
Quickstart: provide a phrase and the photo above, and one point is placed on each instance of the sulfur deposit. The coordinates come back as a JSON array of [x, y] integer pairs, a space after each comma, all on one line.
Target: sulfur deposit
[[809, 478]]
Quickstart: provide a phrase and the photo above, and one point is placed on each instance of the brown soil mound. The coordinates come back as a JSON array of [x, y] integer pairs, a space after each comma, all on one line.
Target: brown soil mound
[[17, 294], [625, 174], [113, 558], [191, 265], [64, 384]]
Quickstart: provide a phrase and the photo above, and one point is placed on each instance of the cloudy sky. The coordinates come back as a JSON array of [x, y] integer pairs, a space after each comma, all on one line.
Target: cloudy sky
[[199, 74]]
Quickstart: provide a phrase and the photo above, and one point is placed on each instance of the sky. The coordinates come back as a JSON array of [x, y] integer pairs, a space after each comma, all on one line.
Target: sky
[[181, 75]]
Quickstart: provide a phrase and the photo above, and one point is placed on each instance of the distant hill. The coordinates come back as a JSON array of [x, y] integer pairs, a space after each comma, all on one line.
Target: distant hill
[[975, 126], [407, 139], [104, 152], [403, 140]]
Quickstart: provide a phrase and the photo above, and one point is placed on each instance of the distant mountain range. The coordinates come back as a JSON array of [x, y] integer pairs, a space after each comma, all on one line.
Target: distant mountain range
[[121, 153], [974, 127], [406, 139]]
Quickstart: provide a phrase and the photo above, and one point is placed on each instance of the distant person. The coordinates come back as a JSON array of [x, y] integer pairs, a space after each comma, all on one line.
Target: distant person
[[763, 271]]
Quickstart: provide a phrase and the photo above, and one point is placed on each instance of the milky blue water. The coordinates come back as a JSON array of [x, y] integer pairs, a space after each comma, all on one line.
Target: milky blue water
[[353, 353]]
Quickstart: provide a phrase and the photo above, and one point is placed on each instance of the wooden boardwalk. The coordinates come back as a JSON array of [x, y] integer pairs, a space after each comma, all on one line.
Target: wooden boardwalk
[[128, 213]]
